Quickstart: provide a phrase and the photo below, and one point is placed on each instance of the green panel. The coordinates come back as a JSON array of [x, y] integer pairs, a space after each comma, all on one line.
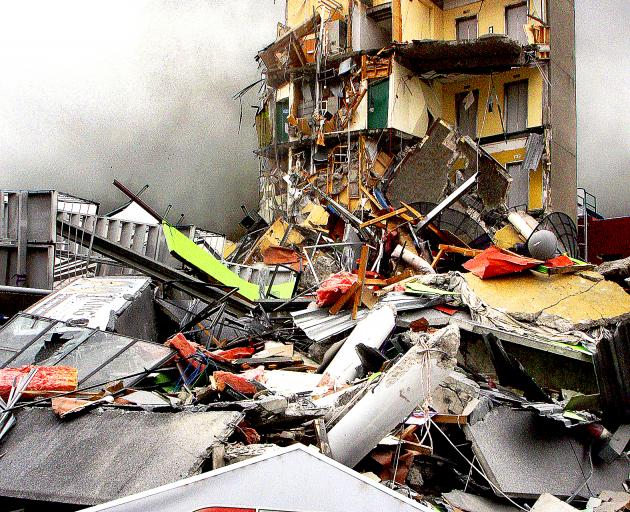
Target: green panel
[[282, 112], [378, 99], [183, 248]]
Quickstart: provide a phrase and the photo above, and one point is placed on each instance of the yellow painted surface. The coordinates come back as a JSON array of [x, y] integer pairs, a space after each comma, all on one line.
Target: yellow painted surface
[[491, 15], [298, 11], [536, 189], [275, 234], [569, 297], [317, 216], [507, 237], [421, 19], [407, 110], [535, 178], [482, 83]]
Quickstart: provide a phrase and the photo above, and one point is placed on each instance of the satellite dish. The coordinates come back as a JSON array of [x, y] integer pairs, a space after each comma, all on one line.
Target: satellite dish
[[561, 225]]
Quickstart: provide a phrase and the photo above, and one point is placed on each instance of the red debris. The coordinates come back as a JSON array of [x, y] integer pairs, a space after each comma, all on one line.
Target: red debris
[[559, 261], [185, 348], [250, 435], [47, 380], [236, 382], [334, 287], [497, 262], [235, 353]]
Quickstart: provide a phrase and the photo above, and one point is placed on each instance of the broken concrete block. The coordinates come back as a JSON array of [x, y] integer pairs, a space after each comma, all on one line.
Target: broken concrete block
[[562, 302], [617, 270], [549, 503], [403, 388], [454, 393], [524, 456], [617, 444]]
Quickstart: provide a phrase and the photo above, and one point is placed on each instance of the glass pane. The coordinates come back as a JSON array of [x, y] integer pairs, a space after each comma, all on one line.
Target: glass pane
[[140, 356], [21, 330], [48, 348], [94, 352], [5, 355]]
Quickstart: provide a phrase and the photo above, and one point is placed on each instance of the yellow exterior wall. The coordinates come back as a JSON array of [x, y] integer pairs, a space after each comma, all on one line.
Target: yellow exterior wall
[[535, 178], [298, 11], [481, 83], [421, 19], [491, 15], [536, 189]]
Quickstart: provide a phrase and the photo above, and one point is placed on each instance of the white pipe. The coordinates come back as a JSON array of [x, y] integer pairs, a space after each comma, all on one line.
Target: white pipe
[[372, 331], [403, 388], [413, 260], [520, 224]]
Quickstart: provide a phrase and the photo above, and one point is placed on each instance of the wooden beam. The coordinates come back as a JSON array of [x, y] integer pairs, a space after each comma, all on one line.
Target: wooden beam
[[383, 217], [400, 277], [363, 261], [437, 258], [345, 297], [471, 253], [322, 437]]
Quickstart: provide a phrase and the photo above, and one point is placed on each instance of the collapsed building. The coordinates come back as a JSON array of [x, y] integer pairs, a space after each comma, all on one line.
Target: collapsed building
[[410, 321], [352, 88]]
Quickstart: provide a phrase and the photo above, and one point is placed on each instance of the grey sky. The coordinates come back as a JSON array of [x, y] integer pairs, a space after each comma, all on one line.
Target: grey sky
[[138, 90], [603, 96], [141, 91]]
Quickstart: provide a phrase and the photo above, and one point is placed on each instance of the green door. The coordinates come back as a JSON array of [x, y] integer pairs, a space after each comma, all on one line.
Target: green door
[[282, 112], [378, 99]]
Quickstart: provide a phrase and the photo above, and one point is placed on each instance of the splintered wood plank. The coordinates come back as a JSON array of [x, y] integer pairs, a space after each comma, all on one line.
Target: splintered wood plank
[[363, 261], [345, 297], [384, 217]]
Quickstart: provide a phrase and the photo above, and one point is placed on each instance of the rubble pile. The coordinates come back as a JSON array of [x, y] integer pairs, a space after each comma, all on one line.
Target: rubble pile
[[408, 321], [463, 375]]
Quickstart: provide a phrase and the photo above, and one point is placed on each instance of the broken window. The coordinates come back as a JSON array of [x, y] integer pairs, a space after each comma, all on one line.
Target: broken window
[[98, 356], [466, 108], [516, 106], [466, 28], [515, 18]]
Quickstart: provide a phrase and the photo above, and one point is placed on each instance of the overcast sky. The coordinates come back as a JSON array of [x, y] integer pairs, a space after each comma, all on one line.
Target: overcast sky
[[141, 91]]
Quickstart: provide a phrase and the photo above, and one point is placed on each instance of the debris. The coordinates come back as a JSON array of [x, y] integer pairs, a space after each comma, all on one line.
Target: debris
[[498, 262], [292, 466], [372, 331], [549, 503], [46, 380], [529, 470], [68, 453], [394, 397]]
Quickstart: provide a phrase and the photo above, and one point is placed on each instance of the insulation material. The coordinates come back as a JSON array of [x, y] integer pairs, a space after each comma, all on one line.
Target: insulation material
[[47, 379], [334, 287]]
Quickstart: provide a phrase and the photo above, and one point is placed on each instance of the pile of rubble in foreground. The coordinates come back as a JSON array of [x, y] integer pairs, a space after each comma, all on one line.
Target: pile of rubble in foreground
[[394, 360]]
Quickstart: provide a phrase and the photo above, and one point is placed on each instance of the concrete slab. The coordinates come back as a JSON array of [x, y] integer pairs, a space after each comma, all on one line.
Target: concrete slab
[[563, 302], [105, 454], [525, 456]]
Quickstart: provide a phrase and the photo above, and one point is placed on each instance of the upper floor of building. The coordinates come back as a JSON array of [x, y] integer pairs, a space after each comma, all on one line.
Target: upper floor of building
[[368, 24]]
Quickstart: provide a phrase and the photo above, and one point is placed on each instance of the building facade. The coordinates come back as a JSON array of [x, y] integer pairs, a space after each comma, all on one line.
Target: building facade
[[351, 86]]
